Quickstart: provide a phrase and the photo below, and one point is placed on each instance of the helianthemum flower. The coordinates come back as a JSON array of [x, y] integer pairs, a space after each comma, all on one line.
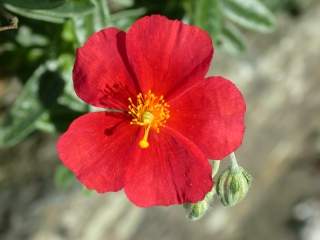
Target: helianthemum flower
[[171, 119]]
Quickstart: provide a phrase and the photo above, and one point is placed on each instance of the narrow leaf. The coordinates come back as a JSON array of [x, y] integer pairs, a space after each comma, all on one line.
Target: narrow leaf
[[33, 14], [98, 19], [39, 94], [102, 13], [69, 9], [84, 27], [232, 40], [69, 97], [124, 19], [207, 15], [251, 14], [34, 4]]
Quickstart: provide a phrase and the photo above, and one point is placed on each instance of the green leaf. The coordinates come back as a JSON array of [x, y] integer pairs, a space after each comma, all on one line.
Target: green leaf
[[87, 192], [69, 97], [33, 14], [124, 3], [34, 4], [84, 27], [63, 178], [102, 13], [57, 119], [207, 15], [69, 9], [232, 40], [130, 13], [87, 25], [39, 94], [251, 14], [45, 124], [28, 38], [124, 19], [68, 105]]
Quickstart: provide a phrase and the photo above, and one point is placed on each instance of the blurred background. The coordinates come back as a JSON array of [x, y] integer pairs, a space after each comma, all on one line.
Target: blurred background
[[269, 48]]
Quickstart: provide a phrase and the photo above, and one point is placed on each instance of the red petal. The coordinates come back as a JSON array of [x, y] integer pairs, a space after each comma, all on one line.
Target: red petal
[[167, 55], [211, 115], [101, 76], [171, 171], [96, 148]]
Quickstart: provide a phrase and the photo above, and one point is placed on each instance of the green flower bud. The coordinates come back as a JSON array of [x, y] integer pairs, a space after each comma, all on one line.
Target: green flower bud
[[195, 211], [233, 185]]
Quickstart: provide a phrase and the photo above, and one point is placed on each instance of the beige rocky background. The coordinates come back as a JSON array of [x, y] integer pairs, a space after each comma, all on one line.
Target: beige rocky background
[[280, 77]]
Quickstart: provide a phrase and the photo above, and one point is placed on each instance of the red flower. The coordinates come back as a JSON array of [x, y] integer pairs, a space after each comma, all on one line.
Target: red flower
[[170, 118]]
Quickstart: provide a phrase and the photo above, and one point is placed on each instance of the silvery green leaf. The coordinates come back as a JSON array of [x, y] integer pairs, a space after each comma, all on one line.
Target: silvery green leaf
[[232, 39], [251, 14], [71, 8], [207, 15], [33, 14], [38, 94], [34, 4]]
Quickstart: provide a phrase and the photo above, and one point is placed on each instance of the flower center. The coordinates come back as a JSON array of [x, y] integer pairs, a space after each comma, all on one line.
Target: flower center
[[150, 112]]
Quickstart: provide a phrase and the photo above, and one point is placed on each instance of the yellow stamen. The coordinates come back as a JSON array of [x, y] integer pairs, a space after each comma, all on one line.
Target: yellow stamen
[[150, 112]]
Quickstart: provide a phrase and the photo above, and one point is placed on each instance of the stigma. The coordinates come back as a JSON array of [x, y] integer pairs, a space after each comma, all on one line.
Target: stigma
[[150, 112]]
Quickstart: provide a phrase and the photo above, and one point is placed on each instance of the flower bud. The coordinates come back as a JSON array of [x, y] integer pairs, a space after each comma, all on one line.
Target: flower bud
[[197, 210], [233, 185]]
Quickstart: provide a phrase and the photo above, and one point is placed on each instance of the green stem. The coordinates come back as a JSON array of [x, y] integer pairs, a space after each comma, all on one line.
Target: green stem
[[13, 20], [234, 163], [103, 12], [215, 167]]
